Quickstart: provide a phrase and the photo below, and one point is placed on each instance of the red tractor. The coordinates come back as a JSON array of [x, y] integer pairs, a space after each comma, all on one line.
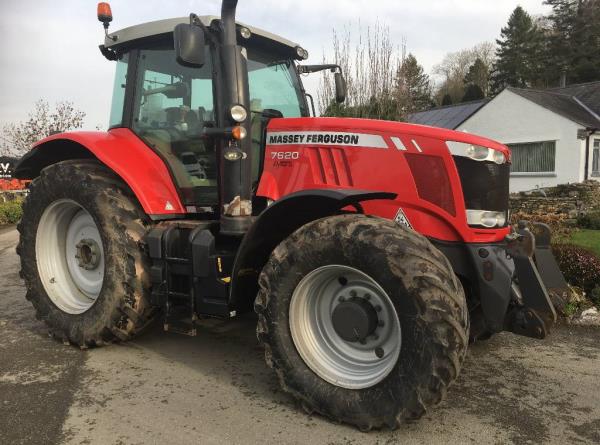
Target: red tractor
[[371, 251]]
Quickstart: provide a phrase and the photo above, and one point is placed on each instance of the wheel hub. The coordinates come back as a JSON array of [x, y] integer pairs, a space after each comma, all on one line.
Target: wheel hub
[[355, 319], [69, 255], [345, 326], [88, 254]]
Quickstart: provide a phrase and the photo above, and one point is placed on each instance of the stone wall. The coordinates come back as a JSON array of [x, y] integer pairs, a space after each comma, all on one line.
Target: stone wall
[[558, 205]]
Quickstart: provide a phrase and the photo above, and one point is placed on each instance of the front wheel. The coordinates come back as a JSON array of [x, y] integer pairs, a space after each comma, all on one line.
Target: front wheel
[[363, 320]]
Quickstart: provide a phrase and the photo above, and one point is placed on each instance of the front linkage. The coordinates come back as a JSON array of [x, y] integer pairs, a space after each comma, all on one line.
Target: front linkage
[[532, 313]]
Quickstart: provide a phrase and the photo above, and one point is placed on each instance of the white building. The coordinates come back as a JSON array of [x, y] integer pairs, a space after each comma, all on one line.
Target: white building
[[554, 134]]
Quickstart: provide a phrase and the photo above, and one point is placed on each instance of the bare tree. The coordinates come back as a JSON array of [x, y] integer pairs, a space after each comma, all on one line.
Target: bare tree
[[455, 67], [41, 122], [370, 63]]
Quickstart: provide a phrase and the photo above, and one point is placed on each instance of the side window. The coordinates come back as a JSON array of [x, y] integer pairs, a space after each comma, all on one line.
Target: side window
[[118, 99]]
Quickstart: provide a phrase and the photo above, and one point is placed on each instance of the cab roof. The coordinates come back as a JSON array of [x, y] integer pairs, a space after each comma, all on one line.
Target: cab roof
[[167, 26]]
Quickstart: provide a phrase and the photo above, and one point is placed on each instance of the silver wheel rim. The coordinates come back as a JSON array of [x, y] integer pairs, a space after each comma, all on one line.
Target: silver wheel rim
[[70, 256], [352, 365]]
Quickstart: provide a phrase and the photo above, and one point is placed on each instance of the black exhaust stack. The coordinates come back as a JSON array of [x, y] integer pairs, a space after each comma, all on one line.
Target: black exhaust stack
[[236, 191]]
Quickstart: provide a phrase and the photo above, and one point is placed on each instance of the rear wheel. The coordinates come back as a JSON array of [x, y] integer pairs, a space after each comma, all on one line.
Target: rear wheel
[[364, 321], [82, 256]]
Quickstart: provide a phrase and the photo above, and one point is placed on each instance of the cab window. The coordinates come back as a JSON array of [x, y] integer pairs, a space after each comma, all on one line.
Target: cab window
[[173, 104]]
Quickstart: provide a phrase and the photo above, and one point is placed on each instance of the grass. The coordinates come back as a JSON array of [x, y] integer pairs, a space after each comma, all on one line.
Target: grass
[[590, 239]]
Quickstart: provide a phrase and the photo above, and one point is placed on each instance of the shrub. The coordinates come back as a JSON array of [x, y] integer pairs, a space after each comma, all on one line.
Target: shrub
[[589, 221], [579, 266], [10, 212]]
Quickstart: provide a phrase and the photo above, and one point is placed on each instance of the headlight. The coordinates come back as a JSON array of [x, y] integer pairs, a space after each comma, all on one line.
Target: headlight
[[245, 32], [486, 218], [476, 152], [238, 113], [499, 157], [302, 53]]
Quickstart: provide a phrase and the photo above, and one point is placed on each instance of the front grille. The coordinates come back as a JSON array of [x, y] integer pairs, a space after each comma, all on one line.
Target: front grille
[[484, 184]]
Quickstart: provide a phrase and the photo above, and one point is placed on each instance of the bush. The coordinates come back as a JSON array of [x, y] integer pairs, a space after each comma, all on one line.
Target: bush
[[589, 221], [595, 296], [10, 212], [579, 266]]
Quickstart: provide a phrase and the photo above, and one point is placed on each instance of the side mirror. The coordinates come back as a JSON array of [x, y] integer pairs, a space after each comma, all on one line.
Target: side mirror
[[340, 88], [189, 45]]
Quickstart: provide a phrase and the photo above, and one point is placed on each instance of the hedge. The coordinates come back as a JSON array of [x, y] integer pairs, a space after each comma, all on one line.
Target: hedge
[[10, 212], [580, 267]]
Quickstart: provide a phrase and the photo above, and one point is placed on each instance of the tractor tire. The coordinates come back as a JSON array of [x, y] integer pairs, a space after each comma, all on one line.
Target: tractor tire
[[362, 261], [82, 255]]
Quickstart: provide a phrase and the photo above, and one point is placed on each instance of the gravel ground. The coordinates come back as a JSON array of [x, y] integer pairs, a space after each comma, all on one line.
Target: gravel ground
[[214, 388]]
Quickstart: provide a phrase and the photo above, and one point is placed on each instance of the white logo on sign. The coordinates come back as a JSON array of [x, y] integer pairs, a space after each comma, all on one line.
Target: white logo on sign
[[169, 206], [402, 219], [5, 170]]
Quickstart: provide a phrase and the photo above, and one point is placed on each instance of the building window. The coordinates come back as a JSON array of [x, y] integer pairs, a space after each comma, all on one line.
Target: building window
[[533, 157], [596, 158]]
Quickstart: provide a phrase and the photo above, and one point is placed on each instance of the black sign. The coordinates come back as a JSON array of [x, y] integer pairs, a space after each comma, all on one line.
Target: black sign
[[7, 166]]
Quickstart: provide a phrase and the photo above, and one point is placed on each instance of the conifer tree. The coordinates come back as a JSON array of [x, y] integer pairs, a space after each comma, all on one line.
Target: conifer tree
[[517, 53], [413, 87]]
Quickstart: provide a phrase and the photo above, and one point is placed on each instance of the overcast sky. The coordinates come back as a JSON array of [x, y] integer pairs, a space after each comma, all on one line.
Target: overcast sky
[[50, 48]]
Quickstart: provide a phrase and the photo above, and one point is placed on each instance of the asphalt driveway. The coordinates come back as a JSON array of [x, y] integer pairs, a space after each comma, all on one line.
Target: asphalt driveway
[[215, 388]]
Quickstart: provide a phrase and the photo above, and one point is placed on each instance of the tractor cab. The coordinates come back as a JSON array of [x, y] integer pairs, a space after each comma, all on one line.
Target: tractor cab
[[181, 112]]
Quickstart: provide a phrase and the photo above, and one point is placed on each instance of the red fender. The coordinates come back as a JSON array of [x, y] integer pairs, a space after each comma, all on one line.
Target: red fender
[[122, 152]]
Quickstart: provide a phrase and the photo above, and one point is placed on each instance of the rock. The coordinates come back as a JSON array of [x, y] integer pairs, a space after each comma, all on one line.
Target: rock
[[589, 317]]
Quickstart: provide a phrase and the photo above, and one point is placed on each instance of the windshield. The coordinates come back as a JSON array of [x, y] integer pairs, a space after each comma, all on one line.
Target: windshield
[[274, 85]]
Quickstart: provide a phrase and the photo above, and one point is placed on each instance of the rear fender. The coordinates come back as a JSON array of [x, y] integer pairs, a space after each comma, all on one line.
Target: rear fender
[[278, 222], [121, 151]]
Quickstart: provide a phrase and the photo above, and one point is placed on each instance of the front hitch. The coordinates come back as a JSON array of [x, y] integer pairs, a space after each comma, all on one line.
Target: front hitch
[[534, 314]]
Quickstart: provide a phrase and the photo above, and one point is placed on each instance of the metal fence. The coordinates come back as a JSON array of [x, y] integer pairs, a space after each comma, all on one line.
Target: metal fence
[[11, 195]]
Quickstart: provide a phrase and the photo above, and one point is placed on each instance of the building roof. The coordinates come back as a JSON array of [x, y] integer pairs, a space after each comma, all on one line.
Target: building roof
[[588, 93], [449, 116], [579, 103]]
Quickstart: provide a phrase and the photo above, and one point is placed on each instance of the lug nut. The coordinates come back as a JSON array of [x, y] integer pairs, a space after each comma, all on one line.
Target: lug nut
[[353, 293], [342, 299], [367, 296], [378, 308], [379, 352], [380, 324]]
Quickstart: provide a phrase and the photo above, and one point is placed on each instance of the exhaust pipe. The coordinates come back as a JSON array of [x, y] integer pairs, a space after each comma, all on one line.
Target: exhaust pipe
[[236, 186], [228, 19]]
